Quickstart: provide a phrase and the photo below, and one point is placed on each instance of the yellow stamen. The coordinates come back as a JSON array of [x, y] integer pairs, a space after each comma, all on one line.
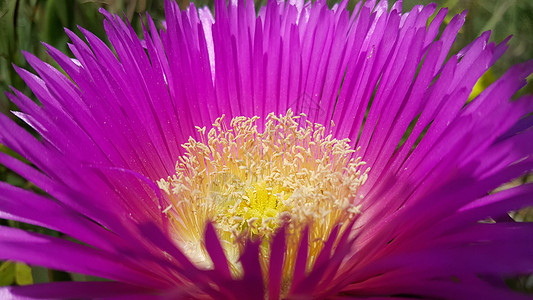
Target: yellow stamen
[[249, 183]]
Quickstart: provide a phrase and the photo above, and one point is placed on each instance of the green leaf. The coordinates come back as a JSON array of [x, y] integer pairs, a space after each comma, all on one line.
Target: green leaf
[[23, 274], [7, 23], [40, 274], [15, 180], [7, 273], [484, 81], [58, 14]]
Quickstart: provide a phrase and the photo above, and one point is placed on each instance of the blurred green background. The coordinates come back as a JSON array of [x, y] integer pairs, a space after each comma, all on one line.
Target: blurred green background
[[25, 23]]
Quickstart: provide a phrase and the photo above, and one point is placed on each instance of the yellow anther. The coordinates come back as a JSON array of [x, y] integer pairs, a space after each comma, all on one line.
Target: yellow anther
[[249, 183]]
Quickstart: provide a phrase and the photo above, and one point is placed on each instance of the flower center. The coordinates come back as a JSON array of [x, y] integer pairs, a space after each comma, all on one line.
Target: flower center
[[249, 183]]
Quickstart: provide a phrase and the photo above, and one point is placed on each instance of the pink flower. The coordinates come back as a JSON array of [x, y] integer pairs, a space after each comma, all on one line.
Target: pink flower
[[388, 206]]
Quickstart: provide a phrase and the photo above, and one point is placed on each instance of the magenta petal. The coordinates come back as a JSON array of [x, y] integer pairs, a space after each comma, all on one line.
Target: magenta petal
[[43, 250], [252, 281], [71, 290], [50, 214], [301, 260], [319, 269], [275, 269], [212, 244]]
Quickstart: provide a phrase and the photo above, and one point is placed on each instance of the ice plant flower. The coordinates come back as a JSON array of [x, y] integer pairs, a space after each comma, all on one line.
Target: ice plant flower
[[300, 152]]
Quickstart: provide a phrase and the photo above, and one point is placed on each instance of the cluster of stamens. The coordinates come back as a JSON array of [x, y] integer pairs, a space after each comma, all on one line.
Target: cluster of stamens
[[248, 183]]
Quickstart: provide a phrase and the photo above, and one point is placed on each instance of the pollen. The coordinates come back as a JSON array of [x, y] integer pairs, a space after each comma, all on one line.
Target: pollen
[[249, 182]]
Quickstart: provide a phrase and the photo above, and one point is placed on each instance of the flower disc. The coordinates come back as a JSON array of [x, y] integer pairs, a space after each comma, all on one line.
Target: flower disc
[[249, 183]]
